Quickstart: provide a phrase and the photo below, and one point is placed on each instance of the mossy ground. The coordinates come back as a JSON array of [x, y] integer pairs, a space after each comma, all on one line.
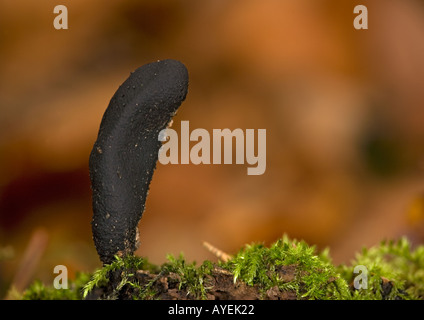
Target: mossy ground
[[288, 269]]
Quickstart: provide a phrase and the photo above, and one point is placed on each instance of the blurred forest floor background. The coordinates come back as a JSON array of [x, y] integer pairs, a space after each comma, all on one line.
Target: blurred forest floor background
[[343, 110]]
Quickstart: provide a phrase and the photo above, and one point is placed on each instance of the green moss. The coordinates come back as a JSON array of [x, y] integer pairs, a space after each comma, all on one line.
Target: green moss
[[192, 279], [392, 265], [395, 271], [125, 267], [314, 276], [38, 291]]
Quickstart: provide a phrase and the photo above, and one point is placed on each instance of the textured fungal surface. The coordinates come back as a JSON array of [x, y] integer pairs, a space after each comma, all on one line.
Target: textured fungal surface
[[125, 153]]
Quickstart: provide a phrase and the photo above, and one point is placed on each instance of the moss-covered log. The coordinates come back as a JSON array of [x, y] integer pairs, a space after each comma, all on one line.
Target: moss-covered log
[[286, 270]]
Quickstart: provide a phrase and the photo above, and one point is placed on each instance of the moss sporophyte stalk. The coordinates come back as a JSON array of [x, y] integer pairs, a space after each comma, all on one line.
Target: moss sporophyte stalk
[[287, 269]]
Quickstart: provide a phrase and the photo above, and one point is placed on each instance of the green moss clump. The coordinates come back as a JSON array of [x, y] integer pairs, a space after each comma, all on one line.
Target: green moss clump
[[192, 280], [313, 276], [395, 271], [38, 291], [286, 269], [123, 269]]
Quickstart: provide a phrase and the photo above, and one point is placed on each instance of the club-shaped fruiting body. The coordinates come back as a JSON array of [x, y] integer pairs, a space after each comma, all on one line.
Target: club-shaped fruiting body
[[125, 153]]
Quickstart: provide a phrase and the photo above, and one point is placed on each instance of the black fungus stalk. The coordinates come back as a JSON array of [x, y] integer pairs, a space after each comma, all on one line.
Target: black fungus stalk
[[125, 153]]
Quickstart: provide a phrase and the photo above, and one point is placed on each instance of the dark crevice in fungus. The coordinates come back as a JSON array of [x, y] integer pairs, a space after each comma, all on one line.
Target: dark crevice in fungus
[[125, 153]]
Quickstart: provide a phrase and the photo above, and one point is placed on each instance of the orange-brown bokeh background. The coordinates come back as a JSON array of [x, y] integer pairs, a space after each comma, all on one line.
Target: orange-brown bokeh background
[[343, 110]]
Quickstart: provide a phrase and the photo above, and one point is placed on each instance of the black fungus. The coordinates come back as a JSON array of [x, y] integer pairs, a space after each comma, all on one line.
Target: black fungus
[[125, 153]]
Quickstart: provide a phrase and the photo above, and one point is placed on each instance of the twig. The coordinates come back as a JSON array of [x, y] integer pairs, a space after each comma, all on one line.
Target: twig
[[218, 253], [29, 262]]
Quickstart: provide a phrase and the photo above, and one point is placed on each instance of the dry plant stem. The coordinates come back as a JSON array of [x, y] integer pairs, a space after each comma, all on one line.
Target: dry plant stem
[[30, 260], [217, 252]]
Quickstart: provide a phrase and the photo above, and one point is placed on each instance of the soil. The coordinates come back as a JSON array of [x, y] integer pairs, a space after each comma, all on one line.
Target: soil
[[220, 286]]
